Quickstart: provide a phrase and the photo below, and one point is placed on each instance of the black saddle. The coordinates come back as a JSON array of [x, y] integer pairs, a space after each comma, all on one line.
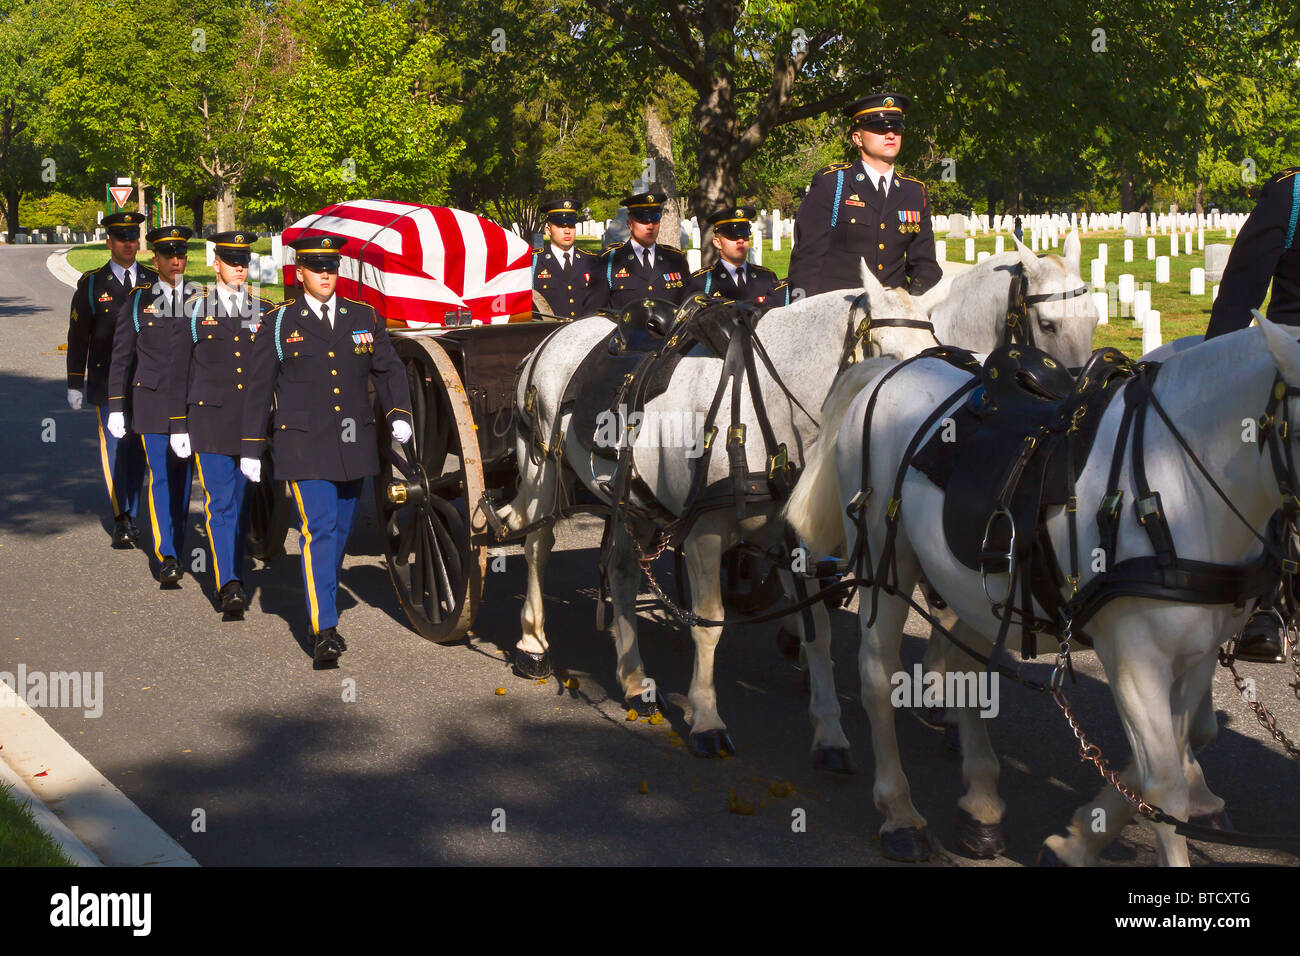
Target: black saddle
[[1018, 443], [618, 377]]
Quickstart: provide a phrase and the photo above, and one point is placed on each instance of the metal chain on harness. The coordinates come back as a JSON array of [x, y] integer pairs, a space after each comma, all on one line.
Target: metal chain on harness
[[1267, 719], [689, 618]]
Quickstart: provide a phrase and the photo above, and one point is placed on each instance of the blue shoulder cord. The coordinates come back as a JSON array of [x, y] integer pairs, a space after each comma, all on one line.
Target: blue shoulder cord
[[1295, 211], [708, 281], [536, 258], [194, 321], [279, 349], [839, 190], [135, 312], [609, 270]]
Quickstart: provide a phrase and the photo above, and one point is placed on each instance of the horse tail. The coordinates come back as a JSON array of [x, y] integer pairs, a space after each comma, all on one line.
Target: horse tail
[[813, 510]]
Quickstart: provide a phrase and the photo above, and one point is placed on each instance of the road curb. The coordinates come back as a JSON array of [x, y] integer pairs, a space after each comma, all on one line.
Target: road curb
[[59, 267], [60, 779], [72, 848]]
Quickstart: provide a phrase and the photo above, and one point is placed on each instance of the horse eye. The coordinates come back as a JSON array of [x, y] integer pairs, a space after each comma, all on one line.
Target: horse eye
[[1048, 328]]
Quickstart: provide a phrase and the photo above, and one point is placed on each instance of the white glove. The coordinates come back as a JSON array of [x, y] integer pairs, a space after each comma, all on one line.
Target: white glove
[[401, 431], [181, 444], [252, 468], [74, 399], [117, 424]]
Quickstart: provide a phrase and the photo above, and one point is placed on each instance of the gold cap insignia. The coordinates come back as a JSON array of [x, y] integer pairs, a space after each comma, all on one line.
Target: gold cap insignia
[[889, 101]]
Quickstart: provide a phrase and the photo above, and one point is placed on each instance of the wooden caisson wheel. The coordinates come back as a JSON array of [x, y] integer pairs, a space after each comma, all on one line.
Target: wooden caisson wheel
[[426, 495], [270, 512]]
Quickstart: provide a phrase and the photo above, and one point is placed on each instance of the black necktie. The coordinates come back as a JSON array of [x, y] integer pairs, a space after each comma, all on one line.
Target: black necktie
[[645, 258], [126, 279], [568, 263], [176, 303], [740, 279], [324, 313]]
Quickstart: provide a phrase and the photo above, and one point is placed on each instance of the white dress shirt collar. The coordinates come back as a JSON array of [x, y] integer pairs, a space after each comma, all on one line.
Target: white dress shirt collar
[[732, 270], [314, 304], [876, 178], [560, 253], [119, 272], [639, 251]]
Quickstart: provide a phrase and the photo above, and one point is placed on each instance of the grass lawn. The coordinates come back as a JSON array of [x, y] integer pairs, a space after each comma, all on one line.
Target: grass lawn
[[95, 254], [22, 842], [1180, 312]]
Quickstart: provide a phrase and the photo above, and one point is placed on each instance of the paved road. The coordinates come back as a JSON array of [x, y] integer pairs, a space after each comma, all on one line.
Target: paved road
[[230, 718]]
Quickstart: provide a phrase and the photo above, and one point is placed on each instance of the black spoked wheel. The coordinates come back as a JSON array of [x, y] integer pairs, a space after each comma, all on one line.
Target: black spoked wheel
[[270, 512], [426, 495]]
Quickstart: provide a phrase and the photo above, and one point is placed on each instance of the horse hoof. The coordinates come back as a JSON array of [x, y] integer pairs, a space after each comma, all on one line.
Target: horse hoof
[[787, 644], [834, 760], [982, 840], [907, 845], [952, 739], [644, 708], [1215, 821], [532, 666], [712, 743], [1047, 857]]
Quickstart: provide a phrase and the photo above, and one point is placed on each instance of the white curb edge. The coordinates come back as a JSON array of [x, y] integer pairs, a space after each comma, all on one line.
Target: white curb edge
[[99, 814], [72, 848], [59, 267]]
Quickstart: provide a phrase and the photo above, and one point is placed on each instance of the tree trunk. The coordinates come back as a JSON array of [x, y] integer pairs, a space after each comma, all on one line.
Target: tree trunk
[[226, 206], [1127, 199], [659, 140], [12, 198], [196, 213], [289, 218], [1200, 198]]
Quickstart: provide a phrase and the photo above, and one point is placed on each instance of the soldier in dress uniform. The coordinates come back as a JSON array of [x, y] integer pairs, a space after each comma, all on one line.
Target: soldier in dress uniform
[[316, 355], [91, 325], [1267, 250], [732, 277], [562, 273], [138, 386], [641, 267], [213, 349], [865, 210]]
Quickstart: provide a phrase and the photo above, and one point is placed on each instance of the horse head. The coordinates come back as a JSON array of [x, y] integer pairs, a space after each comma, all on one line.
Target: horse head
[[892, 326], [1050, 303]]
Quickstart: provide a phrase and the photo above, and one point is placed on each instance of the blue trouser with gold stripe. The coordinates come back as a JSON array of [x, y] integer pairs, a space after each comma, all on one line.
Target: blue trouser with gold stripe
[[122, 460], [326, 510], [225, 507], [166, 495]]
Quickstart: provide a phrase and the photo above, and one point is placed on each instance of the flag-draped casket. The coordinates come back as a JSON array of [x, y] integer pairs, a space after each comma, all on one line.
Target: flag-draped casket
[[424, 266]]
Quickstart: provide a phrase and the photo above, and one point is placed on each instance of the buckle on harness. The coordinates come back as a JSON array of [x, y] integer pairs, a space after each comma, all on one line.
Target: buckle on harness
[[857, 505], [778, 462], [1290, 566], [1147, 507], [1110, 504], [530, 398], [710, 433], [735, 435], [988, 558], [891, 512]]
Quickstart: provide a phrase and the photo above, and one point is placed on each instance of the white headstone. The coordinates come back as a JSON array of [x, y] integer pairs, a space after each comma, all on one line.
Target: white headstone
[[970, 250], [1200, 238], [1151, 247], [1133, 225], [1216, 260], [982, 255], [277, 250], [693, 259], [999, 245], [1102, 253], [1173, 245], [1151, 332], [1128, 250], [957, 226], [1101, 302], [1162, 268], [1126, 287], [1098, 274], [1187, 243], [209, 253], [1141, 305], [941, 250], [1197, 283]]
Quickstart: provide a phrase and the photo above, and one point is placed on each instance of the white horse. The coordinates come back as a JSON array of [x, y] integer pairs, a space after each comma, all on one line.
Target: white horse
[[804, 341], [1158, 655]]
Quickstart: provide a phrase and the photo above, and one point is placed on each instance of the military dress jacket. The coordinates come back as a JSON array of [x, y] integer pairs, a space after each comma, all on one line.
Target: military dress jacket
[[1267, 249], [139, 381], [566, 292], [716, 282], [324, 423], [92, 323], [621, 279], [210, 384], [843, 220]]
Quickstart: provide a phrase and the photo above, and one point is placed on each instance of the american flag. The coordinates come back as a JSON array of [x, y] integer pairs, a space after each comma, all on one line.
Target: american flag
[[423, 266]]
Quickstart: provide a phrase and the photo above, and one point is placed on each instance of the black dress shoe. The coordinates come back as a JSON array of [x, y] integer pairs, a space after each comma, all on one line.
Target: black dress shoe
[[328, 646], [124, 533], [170, 572], [1260, 641], [233, 598]]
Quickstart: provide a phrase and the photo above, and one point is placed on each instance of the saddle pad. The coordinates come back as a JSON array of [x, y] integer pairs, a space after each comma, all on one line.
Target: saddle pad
[[595, 387], [984, 441]]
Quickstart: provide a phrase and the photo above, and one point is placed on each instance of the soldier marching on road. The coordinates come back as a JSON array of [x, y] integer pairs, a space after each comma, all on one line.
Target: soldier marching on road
[[213, 346], [139, 388], [317, 356], [865, 210], [641, 267], [563, 274], [732, 277], [91, 327]]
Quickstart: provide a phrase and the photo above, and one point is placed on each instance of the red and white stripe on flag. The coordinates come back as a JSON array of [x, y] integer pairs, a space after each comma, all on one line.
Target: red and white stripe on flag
[[416, 264]]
